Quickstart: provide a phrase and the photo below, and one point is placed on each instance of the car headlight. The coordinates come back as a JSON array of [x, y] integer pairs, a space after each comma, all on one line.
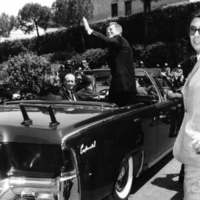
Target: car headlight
[[17, 188]]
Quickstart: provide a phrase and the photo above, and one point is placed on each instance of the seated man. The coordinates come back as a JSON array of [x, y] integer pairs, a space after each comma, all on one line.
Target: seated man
[[67, 91], [88, 93], [85, 64]]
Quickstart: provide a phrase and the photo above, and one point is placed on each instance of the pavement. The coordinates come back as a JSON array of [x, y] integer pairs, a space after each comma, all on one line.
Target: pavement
[[163, 185]]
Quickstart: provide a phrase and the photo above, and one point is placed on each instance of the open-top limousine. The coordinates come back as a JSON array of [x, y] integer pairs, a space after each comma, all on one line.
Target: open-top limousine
[[58, 150]]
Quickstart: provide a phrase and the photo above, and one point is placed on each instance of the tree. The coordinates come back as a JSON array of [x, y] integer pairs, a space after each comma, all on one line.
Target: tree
[[32, 16], [70, 12], [7, 23]]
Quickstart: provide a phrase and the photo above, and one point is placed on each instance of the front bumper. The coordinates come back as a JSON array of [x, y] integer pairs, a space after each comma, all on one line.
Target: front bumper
[[20, 188]]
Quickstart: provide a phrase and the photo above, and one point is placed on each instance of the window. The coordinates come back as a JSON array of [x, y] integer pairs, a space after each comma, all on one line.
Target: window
[[114, 9], [146, 91], [164, 85], [128, 9]]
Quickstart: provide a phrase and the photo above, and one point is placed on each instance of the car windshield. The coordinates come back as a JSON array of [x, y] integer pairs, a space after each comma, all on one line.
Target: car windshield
[[163, 84], [146, 88]]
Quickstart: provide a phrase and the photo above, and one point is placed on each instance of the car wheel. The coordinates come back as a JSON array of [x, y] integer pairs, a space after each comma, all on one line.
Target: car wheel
[[124, 180]]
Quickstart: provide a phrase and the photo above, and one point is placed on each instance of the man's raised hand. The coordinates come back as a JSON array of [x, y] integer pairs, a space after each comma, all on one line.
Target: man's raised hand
[[86, 26]]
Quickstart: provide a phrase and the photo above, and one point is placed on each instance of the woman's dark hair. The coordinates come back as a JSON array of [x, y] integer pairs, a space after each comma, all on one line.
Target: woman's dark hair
[[195, 14]]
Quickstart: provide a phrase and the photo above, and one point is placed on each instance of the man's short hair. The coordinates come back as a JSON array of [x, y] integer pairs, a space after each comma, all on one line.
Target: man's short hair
[[117, 26], [69, 76]]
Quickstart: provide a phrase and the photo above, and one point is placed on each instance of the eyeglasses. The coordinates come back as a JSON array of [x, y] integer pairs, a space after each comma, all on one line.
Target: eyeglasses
[[194, 29]]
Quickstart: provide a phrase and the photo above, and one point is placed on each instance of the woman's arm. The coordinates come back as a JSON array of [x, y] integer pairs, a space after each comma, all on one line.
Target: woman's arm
[[174, 95]]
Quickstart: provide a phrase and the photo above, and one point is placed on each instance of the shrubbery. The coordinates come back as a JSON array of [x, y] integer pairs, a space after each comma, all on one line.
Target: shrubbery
[[161, 52], [59, 56], [95, 58], [27, 73]]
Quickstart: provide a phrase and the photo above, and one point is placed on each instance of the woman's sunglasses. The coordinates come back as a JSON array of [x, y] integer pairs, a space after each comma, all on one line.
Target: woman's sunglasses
[[194, 29]]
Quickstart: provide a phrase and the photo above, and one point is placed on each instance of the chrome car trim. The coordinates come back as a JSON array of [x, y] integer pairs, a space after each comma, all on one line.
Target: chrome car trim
[[159, 158], [62, 179], [141, 165]]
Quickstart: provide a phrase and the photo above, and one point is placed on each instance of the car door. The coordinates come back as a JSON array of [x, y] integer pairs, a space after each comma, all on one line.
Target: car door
[[168, 117], [88, 150], [95, 150], [148, 116], [164, 120]]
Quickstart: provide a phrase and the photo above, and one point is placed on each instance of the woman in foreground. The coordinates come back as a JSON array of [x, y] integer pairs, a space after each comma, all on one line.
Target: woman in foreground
[[187, 145]]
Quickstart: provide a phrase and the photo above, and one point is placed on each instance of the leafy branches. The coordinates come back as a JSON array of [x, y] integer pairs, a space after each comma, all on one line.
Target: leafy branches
[[32, 16], [70, 12], [7, 23]]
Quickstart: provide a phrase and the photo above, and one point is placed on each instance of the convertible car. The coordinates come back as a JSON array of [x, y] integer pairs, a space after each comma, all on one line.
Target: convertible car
[[58, 150]]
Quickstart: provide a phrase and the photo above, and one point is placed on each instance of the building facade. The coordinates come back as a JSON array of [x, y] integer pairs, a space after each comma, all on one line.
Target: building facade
[[108, 9]]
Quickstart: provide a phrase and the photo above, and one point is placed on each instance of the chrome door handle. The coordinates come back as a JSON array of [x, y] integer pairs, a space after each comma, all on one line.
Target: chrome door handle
[[136, 120]]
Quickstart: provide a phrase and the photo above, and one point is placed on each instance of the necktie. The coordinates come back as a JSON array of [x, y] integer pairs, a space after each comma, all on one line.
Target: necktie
[[72, 96]]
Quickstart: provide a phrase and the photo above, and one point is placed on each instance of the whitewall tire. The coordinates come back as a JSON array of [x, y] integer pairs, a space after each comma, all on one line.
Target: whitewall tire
[[124, 181]]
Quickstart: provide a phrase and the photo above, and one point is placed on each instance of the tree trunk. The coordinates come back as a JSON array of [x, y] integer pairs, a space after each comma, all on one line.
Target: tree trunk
[[147, 10], [82, 40], [147, 6], [37, 30], [38, 37]]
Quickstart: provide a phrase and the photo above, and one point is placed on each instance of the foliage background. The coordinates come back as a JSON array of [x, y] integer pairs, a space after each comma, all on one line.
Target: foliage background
[[167, 39]]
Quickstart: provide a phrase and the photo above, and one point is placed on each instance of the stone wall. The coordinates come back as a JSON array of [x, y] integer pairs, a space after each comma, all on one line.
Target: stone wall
[[102, 8]]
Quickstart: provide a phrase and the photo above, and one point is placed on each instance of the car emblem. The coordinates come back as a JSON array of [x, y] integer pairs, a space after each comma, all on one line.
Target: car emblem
[[84, 148]]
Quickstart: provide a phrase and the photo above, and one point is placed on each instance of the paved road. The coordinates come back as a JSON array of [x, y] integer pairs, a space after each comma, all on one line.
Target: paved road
[[163, 185]]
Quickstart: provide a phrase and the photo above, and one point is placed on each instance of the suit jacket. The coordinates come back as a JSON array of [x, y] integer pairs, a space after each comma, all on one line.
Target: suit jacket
[[121, 64], [67, 95], [87, 95]]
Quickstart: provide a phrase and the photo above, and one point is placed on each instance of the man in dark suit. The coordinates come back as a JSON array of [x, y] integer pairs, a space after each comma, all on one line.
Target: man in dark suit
[[123, 87], [88, 92]]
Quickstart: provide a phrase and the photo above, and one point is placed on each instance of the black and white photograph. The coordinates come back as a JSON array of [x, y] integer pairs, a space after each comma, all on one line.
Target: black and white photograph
[[99, 100]]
